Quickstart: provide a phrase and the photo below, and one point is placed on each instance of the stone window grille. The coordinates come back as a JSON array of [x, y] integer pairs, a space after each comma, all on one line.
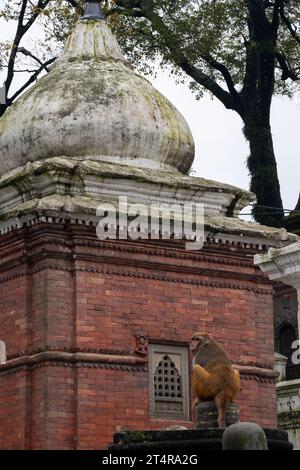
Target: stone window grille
[[169, 382]]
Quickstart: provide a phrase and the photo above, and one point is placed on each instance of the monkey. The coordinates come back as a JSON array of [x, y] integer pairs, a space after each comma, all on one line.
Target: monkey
[[213, 375]]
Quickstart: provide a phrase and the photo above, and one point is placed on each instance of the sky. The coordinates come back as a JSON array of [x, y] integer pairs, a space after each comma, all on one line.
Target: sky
[[221, 149]]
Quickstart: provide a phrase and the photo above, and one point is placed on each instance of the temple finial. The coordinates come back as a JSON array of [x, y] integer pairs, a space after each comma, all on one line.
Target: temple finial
[[93, 11]]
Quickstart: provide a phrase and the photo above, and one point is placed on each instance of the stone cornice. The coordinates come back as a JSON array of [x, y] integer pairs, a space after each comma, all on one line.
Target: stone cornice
[[287, 387], [282, 264], [97, 180]]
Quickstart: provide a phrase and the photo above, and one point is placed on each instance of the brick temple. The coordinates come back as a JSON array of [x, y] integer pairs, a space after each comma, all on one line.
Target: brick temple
[[94, 333]]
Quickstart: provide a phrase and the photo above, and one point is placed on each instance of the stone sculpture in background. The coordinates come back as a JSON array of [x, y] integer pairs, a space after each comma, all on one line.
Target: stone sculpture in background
[[244, 436], [213, 375]]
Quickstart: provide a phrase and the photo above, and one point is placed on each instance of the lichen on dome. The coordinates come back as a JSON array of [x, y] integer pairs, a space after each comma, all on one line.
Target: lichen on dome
[[91, 105]]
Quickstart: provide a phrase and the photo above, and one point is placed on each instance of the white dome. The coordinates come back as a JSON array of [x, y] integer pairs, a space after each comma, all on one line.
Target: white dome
[[93, 106]]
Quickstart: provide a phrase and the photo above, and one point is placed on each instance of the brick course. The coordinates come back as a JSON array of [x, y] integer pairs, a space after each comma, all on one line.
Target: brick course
[[63, 291]]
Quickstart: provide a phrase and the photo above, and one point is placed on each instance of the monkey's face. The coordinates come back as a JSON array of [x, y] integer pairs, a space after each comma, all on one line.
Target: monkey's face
[[198, 340]]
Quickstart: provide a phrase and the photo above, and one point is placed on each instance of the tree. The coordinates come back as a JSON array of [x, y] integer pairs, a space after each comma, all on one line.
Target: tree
[[240, 51], [55, 16]]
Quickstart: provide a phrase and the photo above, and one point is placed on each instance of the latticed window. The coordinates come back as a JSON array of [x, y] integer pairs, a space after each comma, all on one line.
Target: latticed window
[[167, 381], [169, 391]]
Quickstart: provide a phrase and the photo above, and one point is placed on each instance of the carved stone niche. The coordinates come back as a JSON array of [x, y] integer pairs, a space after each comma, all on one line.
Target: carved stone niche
[[141, 345]]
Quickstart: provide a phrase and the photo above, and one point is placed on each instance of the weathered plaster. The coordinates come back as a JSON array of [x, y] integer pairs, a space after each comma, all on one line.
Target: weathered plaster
[[64, 185]]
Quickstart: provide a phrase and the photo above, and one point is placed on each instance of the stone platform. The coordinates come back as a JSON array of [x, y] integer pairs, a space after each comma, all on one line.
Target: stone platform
[[187, 440]]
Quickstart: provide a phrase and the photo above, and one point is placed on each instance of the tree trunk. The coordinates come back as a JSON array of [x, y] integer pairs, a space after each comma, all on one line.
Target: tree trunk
[[263, 170]]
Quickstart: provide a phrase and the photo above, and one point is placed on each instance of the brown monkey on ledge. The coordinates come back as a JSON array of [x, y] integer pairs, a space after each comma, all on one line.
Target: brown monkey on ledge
[[213, 375]]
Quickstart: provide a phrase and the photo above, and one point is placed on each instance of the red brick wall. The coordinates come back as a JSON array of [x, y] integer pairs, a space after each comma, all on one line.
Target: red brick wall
[[72, 293], [13, 418]]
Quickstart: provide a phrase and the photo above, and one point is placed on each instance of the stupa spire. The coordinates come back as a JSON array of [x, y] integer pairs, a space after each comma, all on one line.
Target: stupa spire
[[92, 106], [93, 11]]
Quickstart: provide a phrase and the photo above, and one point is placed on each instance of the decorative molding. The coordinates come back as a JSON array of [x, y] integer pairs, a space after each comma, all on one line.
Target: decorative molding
[[252, 371], [142, 275], [106, 351], [108, 359], [259, 365], [126, 352], [127, 368], [217, 238], [175, 251], [282, 264], [78, 358], [42, 365], [258, 379], [288, 417], [134, 262]]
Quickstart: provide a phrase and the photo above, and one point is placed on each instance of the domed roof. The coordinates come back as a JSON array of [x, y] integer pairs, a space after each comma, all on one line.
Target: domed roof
[[92, 106]]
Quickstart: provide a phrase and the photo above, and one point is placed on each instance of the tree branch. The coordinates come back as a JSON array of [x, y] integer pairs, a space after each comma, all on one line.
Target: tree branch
[[224, 71], [21, 31], [73, 3], [41, 5], [16, 42], [76, 5], [171, 42], [27, 53], [292, 29], [32, 78], [132, 12], [129, 4], [276, 18], [287, 72]]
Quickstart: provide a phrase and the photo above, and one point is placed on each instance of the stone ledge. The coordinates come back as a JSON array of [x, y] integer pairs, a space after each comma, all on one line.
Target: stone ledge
[[56, 356], [62, 356]]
